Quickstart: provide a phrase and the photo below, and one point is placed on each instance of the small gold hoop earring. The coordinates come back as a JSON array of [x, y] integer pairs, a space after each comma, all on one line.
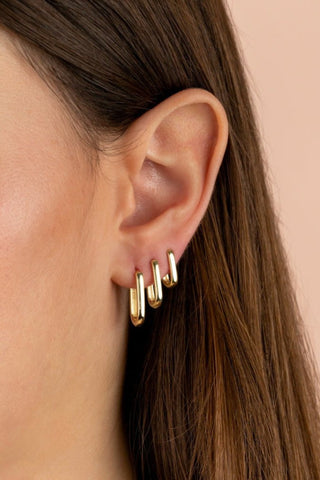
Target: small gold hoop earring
[[154, 292], [171, 279], [137, 301]]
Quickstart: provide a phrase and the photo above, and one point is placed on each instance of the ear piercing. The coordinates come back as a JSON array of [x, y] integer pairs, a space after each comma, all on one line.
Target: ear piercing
[[137, 301], [171, 279], [154, 291]]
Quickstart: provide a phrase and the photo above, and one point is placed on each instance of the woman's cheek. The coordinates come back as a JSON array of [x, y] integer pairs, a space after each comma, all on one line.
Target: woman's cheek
[[42, 210]]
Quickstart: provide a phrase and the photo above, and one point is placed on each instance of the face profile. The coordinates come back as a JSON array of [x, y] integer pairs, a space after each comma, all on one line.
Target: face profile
[[148, 323]]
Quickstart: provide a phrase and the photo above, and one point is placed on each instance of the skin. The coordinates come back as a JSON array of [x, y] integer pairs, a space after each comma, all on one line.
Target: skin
[[70, 242]]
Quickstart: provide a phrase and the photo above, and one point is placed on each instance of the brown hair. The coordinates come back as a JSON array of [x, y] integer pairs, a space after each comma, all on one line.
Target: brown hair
[[221, 381]]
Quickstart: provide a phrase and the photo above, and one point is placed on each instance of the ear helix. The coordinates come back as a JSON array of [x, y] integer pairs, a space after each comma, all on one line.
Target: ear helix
[[154, 291]]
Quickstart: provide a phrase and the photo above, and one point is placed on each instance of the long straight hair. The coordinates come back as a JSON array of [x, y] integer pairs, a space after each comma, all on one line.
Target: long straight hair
[[221, 382]]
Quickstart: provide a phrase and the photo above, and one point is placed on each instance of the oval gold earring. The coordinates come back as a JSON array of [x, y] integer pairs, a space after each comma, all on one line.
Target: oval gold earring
[[137, 301], [171, 279], [154, 292]]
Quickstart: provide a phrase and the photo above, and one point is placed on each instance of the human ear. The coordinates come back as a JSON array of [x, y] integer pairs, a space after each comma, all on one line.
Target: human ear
[[170, 172]]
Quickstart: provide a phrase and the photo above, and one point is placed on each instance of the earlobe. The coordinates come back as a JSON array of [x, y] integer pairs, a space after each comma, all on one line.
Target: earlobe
[[172, 171]]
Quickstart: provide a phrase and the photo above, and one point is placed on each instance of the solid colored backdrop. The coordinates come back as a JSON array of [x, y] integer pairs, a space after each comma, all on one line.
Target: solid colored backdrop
[[280, 42]]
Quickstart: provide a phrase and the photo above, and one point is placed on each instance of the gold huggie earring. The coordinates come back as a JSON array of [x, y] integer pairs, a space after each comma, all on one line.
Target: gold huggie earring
[[171, 279], [154, 292], [137, 301]]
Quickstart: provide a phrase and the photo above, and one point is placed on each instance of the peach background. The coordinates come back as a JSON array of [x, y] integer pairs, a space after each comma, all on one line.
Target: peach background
[[280, 43]]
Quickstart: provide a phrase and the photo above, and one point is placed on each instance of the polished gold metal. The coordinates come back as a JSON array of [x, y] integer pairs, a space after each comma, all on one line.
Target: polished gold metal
[[137, 301], [171, 279], [154, 292]]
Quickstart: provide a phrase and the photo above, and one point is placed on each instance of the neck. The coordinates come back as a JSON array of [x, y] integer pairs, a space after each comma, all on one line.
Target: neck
[[74, 430]]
